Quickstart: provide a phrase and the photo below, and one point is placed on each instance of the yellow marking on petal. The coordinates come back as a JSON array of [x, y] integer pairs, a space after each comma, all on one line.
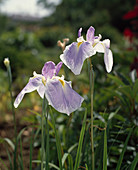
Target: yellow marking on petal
[[94, 44], [62, 82], [43, 80], [79, 43]]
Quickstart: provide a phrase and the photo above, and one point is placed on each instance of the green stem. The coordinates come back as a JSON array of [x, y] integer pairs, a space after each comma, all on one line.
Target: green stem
[[42, 134], [10, 89], [13, 112], [91, 92], [47, 143]]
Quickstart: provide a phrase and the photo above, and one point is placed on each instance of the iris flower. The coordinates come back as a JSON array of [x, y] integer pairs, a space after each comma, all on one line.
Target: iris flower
[[57, 91], [75, 54]]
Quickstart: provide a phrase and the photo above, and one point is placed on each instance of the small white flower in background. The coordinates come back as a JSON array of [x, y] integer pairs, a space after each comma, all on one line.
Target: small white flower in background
[[6, 62]]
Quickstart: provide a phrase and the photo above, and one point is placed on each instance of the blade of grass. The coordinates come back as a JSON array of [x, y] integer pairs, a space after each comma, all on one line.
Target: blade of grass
[[58, 143], [9, 157], [123, 151], [10, 143], [86, 166], [70, 161], [3, 164], [31, 150], [50, 164], [105, 152], [21, 162], [77, 161], [65, 156], [37, 132], [134, 163]]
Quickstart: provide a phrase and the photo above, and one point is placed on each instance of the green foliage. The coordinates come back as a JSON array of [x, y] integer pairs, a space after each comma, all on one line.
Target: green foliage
[[78, 156], [21, 47], [49, 36], [105, 152], [115, 95]]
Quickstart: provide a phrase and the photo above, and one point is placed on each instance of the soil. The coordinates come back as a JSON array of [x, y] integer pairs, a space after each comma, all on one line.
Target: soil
[[7, 131]]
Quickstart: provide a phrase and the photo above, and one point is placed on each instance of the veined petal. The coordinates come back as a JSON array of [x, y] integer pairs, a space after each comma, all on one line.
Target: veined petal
[[79, 32], [108, 59], [62, 97], [90, 35], [58, 67], [75, 54], [41, 90], [32, 85], [49, 70], [106, 42], [99, 47]]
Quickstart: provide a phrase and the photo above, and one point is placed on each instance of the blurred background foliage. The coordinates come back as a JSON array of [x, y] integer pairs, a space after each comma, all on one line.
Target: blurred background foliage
[[28, 44]]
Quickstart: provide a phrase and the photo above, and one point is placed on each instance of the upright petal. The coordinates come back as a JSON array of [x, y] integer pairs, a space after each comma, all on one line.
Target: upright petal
[[108, 59], [79, 32], [90, 35], [62, 97], [58, 67], [49, 70], [32, 85], [75, 54]]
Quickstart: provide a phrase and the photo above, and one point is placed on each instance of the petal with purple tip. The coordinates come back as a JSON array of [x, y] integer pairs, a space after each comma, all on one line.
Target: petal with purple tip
[[58, 67], [62, 97], [32, 85], [48, 70], [106, 42], [79, 32], [90, 35], [75, 54]]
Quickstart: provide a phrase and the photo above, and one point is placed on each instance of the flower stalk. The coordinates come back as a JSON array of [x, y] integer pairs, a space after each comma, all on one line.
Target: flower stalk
[[42, 133], [7, 64], [91, 92]]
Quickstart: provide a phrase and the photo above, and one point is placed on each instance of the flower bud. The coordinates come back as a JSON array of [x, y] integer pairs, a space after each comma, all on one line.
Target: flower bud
[[6, 62]]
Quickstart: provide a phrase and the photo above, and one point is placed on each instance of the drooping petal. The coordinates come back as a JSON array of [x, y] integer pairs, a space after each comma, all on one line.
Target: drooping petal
[[106, 42], [32, 85], [48, 70], [90, 35], [62, 97], [41, 90], [108, 59], [79, 32], [58, 67], [75, 54]]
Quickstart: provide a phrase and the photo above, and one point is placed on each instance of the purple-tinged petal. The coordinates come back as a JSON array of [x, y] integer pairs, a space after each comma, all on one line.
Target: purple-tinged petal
[[106, 43], [75, 54], [79, 32], [41, 90], [58, 67], [49, 70], [99, 47], [32, 85], [90, 35], [62, 97], [108, 59]]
